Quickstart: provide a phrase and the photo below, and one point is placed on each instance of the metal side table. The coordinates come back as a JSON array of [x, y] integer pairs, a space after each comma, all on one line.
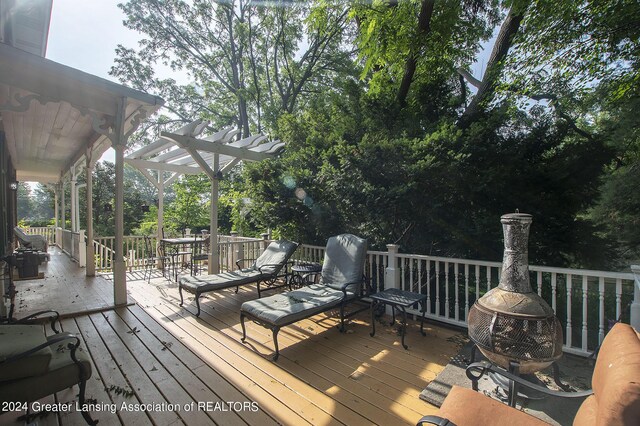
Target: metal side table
[[400, 300]]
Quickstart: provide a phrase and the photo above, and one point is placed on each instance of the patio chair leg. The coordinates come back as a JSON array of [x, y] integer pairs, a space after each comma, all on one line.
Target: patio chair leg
[[181, 298], [237, 288], [198, 304], [342, 318], [81, 399], [244, 330], [275, 342]]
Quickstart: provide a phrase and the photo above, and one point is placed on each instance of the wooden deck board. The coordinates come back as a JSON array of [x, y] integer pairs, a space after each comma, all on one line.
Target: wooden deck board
[[381, 396]]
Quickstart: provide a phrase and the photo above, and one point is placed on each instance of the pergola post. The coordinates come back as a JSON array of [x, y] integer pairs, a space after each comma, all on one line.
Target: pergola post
[[91, 263], [119, 142], [160, 232], [214, 256]]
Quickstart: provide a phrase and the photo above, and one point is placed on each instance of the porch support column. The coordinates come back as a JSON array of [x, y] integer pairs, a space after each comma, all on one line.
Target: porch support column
[[91, 263], [56, 200], [73, 199], [119, 142], [63, 215], [214, 266]]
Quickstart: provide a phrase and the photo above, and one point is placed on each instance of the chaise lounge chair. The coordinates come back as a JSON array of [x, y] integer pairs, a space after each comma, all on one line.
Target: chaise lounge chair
[[341, 282], [35, 242], [265, 270]]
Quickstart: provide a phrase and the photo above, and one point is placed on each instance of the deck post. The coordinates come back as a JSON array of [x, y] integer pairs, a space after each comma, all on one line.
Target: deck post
[[160, 186], [214, 253], [90, 254], [82, 249], [391, 273], [119, 142], [635, 305], [73, 199]]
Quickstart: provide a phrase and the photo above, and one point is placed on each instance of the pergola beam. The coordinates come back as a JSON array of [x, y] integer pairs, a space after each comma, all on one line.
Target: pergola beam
[[167, 167], [191, 143]]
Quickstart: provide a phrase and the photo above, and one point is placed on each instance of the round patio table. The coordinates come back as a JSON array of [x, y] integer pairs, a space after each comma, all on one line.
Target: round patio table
[[301, 273]]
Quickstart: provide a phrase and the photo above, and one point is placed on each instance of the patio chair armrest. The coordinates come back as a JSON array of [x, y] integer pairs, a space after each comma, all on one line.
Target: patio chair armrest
[[50, 342], [478, 369], [435, 420], [54, 316]]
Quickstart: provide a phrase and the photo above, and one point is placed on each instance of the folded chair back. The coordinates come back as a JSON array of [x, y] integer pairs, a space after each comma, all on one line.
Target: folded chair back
[[344, 262], [275, 256], [615, 381]]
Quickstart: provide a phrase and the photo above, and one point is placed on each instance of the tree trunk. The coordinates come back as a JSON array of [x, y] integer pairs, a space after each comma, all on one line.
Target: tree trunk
[[424, 19], [486, 91]]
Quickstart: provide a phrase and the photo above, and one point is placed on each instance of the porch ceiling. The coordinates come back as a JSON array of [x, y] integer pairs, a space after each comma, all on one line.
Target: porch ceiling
[[52, 113]]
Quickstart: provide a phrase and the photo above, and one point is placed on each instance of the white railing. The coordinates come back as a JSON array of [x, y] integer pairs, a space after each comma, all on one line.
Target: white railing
[[49, 232], [586, 302], [231, 248]]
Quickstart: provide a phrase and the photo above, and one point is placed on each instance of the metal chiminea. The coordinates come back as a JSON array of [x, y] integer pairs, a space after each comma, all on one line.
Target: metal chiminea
[[511, 323]]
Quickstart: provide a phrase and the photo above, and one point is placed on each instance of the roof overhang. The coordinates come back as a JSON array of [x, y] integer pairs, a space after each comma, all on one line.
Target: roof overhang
[[52, 114]]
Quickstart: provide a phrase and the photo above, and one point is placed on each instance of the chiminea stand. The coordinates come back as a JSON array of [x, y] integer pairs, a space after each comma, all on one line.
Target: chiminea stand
[[504, 378]]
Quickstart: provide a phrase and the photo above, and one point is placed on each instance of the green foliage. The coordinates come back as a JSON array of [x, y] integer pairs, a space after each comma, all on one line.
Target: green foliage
[[191, 206], [440, 194]]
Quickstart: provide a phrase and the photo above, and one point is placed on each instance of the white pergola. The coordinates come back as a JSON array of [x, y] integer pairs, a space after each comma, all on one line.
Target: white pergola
[[183, 152], [57, 119]]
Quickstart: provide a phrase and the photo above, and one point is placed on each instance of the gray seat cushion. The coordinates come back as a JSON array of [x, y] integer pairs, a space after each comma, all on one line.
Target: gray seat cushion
[[275, 256], [286, 308], [204, 283], [16, 339], [62, 373], [344, 262]]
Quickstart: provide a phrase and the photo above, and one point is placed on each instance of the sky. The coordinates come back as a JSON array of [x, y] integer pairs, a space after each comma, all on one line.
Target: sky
[[83, 34]]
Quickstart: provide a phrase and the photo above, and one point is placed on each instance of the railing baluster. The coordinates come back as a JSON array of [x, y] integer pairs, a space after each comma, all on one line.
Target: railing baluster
[[601, 318], [428, 268], [618, 298], [446, 290], [554, 291], [488, 278], [477, 276], [584, 313], [569, 328], [456, 314], [466, 291], [539, 282], [437, 288]]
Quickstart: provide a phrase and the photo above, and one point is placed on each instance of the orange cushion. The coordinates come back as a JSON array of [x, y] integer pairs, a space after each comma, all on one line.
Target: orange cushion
[[467, 407], [616, 380]]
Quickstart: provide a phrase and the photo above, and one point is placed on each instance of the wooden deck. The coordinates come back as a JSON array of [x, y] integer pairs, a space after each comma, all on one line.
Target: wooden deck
[[64, 288], [155, 352]]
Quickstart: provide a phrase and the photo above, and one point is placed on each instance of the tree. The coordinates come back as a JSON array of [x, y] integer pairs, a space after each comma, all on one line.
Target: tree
[[248, 61], [25, 204]]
